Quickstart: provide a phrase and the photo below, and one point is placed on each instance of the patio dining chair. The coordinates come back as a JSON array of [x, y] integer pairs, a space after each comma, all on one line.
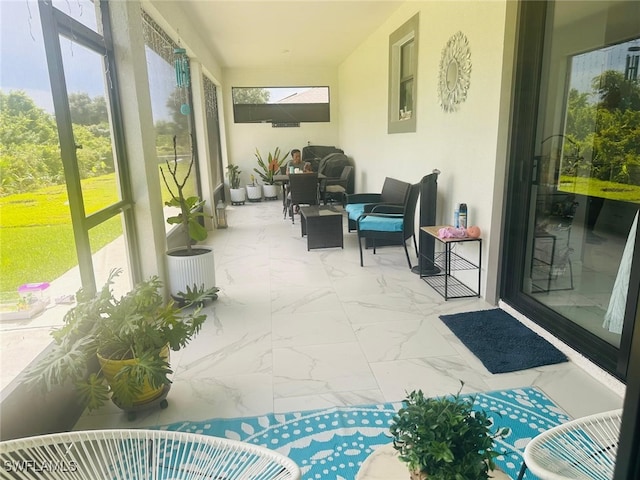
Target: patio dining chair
[[303, 190], [390, 224], [582, 449], [131, 454], [336, 187]]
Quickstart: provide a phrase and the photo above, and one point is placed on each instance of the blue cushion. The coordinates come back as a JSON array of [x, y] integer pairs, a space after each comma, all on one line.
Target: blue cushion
[[354, 210], [381, 224]]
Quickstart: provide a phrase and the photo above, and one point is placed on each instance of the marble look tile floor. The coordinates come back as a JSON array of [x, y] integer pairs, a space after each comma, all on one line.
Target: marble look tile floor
[[298, 330]]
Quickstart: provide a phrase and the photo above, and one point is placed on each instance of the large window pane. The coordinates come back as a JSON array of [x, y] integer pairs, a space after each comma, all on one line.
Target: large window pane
[[280, 104], [86, 90], [169, 105], [35, 224], [84, 11], [36, 235], [109, 251]]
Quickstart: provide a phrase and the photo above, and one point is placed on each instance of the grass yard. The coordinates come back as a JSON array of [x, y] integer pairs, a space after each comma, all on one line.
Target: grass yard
[[36, 236], [600, 188]]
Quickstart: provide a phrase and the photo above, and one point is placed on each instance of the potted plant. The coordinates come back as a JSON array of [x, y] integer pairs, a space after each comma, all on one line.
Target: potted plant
[[237, 193], [254, 190], [131, 337], [444, 438], [268, 169], [188, 266]]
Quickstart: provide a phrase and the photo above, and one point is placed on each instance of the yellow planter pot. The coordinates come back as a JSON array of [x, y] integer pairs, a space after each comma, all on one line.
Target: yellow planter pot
[[110, 368]]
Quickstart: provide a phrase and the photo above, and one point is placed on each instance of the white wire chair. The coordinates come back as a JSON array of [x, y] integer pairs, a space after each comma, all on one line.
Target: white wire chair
[[130, 454], [582, 449]]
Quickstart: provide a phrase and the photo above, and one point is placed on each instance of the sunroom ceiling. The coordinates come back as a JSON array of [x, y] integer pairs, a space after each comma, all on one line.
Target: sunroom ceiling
[[285, 33]]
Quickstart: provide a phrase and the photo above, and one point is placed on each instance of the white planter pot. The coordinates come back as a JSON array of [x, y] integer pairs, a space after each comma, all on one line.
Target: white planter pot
[[183, 270], [270, 192], [238, 196], [254, 193]]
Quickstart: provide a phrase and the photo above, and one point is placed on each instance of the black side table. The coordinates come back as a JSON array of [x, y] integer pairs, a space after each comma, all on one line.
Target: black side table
[[322, 226], [446, 262]]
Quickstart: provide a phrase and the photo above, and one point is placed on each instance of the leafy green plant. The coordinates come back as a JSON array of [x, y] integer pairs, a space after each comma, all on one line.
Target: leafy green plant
[[190, 207], [139, 325], [444, 438], [233, 173], [271, 167]]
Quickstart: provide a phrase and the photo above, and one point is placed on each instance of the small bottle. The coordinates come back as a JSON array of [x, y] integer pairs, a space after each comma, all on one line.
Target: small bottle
[[462, 219], [456, 216]]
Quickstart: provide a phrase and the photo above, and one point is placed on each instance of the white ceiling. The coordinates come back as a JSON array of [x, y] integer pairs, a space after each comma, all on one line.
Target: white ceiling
[[266, 33]]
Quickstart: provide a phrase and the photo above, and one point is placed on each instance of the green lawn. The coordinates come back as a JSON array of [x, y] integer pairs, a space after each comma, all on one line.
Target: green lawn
[[36, 236], [600, 188]]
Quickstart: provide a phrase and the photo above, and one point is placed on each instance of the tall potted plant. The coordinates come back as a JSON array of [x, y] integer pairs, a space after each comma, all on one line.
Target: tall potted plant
[[131, 337], [443, 438], [238, 194], [268, 169], [189, 266]]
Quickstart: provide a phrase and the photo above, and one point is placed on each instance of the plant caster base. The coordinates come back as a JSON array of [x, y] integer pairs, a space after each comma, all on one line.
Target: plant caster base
[[237, 203], [270, 198], [161, 401], [255, 200]]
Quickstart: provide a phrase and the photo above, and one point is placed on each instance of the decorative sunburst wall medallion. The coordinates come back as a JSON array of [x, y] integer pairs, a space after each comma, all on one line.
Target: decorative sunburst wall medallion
[[455, 72]]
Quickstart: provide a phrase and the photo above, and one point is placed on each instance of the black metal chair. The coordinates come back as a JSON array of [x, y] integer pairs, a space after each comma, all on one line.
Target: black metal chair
[[336, 187], [390, 224], [303, 190]]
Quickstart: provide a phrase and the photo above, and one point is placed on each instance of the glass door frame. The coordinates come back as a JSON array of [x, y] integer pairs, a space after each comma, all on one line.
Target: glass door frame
[[56, 24], [529, 69]]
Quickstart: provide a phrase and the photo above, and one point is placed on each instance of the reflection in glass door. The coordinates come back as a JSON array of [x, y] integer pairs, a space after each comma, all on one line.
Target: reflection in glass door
[[585, 190]]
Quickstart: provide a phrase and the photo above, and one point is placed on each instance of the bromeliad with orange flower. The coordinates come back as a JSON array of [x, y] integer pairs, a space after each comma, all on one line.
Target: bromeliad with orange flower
[[271, 166]]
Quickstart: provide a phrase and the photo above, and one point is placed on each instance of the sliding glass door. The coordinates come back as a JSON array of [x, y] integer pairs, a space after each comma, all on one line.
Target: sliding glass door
[[580, 158]]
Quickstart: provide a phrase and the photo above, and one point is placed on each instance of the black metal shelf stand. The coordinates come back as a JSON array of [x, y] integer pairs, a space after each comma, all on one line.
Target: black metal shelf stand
[[445, 262]]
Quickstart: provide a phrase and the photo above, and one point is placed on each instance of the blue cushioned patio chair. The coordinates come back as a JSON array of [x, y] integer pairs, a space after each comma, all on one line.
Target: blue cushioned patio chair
[[390, 224], [394, 192]]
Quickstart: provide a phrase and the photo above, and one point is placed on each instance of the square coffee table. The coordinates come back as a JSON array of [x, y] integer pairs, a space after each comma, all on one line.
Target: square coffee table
[[322, 225]]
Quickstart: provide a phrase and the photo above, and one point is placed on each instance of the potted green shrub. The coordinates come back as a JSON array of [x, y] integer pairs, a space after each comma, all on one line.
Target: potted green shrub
[[135, 332], [443, 438], [238, 194], [268, 169], [189, 265]]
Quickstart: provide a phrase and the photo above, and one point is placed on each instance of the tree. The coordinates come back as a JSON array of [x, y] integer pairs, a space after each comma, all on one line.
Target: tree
[[250, 95], [23, 122], [87, 111], [616, 92]]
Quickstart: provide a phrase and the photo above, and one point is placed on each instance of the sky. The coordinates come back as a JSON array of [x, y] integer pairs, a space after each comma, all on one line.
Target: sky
[[23, 64]]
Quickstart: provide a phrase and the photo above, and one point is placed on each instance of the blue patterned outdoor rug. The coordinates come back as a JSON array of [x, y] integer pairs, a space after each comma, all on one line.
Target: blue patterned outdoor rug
[[332, 443], [501, 342]]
